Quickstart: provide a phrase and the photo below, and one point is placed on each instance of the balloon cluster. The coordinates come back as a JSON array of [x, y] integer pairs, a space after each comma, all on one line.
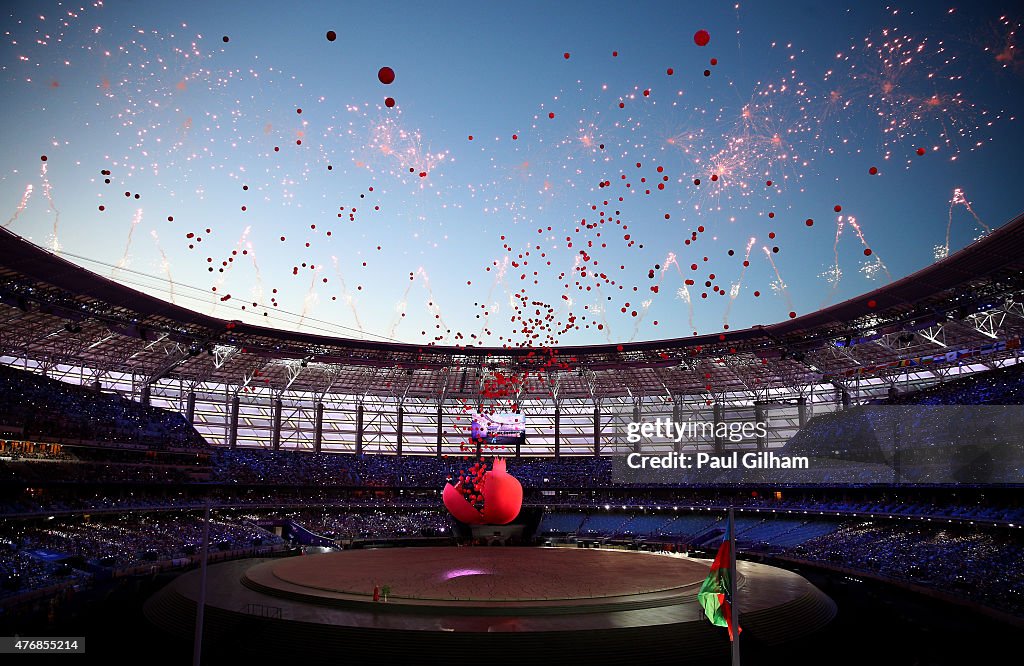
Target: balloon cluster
[[470, 483], [471, 444]]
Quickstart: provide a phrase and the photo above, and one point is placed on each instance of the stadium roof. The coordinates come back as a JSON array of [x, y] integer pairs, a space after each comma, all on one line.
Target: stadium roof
[[55, 312]]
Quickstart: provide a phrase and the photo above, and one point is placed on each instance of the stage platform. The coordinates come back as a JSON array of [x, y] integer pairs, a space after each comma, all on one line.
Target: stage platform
[[600, 605]]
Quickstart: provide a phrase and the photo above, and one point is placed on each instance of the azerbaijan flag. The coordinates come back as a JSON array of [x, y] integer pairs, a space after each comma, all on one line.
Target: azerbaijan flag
[[714, 594]]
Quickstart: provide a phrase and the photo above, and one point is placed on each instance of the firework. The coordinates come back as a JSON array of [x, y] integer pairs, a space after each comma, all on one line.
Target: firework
[[778, 285], [21, 205], [734, 290], [165, 264], [345, 295], [123, 261], [958, 199], [48, 193]]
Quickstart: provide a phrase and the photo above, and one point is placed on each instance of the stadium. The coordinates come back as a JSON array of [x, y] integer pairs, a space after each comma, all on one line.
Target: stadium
[[142, 414], [626, 436]]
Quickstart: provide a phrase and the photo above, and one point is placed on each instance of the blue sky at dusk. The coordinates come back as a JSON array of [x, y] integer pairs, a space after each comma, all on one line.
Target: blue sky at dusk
[[577, 193]]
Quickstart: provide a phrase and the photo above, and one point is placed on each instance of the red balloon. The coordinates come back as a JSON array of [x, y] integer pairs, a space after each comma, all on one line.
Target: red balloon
[[701, 38], [389, 102], [386, 75], [920, 151], [331, 35]]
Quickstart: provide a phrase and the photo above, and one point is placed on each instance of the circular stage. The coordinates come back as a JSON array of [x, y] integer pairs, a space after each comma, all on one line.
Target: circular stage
[[482, 579], [598, 605]]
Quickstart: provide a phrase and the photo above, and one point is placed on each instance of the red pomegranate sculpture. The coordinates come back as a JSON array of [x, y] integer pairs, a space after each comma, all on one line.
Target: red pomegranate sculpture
[[502, 497]]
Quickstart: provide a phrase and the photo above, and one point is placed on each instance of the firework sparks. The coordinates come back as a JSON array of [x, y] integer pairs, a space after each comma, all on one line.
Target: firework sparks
[[778, 285], [609, 159], [311, 299], [21, 205], [48, 193], [123, 261], [959, 199], [345, 295], [165, 265], [734, 290]]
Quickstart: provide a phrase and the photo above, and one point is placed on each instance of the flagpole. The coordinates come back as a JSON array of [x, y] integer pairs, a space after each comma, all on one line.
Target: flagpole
[[733, 604], [197, 642]]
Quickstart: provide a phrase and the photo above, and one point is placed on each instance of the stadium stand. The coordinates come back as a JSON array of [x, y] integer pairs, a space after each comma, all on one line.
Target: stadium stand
[[1002, 386], [36, 406]]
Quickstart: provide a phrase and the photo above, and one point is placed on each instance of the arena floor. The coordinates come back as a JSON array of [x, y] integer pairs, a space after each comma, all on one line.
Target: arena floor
[[598, 604], [485, 577]]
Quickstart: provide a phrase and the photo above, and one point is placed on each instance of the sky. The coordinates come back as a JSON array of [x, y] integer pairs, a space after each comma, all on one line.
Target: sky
[[535, 173]]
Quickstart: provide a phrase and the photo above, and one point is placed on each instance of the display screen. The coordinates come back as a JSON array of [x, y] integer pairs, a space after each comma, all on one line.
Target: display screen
[[500, 429]]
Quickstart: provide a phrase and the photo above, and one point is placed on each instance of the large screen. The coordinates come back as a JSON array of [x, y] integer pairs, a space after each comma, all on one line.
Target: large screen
[[500, 429]]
